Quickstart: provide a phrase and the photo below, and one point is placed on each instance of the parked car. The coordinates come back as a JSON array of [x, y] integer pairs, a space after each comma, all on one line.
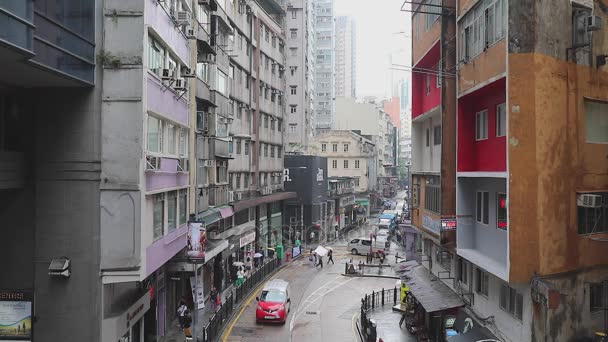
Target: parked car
[[274, 302], [362, 246]]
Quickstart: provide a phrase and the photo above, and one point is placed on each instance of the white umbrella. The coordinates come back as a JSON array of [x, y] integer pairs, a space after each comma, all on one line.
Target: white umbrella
[[257, 255], [237, 263], [321, 251]]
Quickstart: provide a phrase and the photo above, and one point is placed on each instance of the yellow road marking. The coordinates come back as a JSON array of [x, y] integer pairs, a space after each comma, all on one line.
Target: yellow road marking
[[228, 331]]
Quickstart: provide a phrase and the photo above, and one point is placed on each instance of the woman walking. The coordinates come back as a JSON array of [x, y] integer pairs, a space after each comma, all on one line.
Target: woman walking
[[330, 254]]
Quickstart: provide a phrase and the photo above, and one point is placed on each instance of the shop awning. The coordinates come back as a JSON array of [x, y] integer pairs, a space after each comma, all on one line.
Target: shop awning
[[433, 295], [474, 335], [213, 215], [363, 202], [226, 212]]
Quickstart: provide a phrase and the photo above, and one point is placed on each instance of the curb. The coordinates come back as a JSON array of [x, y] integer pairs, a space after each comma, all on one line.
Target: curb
[[369, 276]]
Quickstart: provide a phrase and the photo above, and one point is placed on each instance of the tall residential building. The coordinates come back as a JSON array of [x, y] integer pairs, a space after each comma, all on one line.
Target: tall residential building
[[324, 100], [300, 74], [346, 57]]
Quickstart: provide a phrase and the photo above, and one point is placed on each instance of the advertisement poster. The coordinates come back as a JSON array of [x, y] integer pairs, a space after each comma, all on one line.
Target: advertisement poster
[[197, 240], [200, 296], [15, 315]]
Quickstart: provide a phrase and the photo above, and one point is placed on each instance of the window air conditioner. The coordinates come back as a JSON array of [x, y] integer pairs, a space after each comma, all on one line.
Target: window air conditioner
[[180, 84], [230, 196], [208, 58], [183, 18], [187, 73], [190, 34], [589, 201], [238, 196], [594, 23], [203, 2], [167, 74]]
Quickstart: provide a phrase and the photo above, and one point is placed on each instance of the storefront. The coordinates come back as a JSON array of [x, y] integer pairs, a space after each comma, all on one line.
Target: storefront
[[128, 326]]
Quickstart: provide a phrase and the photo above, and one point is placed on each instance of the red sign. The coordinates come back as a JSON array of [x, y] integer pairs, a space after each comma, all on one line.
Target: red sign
[[449, 224], [502, 224]]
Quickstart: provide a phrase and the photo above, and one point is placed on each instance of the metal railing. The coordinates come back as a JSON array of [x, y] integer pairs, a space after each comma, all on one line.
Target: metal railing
[[216, 323], [369, 302]]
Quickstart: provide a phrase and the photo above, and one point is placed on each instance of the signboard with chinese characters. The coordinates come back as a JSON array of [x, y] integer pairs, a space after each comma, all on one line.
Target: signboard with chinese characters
[[448, 224], [197, 240], [16, 315], [247, 239], [431, 224]]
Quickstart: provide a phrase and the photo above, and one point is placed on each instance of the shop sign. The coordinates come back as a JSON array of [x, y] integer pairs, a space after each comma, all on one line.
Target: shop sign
[[16, 315], [320, 175], [133, 314], [197, 240], [448, 224], [247, 239], [297, 250], [200, 295], [431, 224], [347, 200]]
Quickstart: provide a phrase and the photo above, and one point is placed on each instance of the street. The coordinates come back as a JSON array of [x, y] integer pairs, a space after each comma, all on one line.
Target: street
[[324, 303]]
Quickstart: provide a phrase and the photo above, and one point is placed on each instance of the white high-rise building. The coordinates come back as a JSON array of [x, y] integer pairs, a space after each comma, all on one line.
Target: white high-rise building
[[346, 48], [300, 34], [324, 65]]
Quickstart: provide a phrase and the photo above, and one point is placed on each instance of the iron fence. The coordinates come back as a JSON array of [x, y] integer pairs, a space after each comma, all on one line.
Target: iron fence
[[216, 323], [371, 301]]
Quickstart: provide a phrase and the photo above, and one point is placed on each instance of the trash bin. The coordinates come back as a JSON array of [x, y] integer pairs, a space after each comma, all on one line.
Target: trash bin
[[287, 256], [280, 251]]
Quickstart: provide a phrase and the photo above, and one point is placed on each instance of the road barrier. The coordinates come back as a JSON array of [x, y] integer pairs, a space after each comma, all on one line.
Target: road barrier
[[216, 323], [369, 302]]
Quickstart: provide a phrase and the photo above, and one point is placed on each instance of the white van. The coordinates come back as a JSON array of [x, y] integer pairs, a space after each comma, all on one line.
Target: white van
[[363, 245]]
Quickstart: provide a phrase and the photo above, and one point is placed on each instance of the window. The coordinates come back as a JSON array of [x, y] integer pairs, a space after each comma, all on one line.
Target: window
[[279, 151], [272, 124], [580, 35], [501, 120], [294, 14], [323, 147], [334, 164], [292, 128], [432, 197], [293, 89], [279, 125], [463, 271], [183, 206], [238, 146], [357, 164], [246, 180], [501, 211], [202, 71], [482, 26], [293, 51], [437, 135], [231, 72], [171, 142], [221, 85], [155, 134], [431, 18], [597, 296], [265, 121], [511, 301], [428, 137], [293, 33], [158, 216], [357, 182], [345, 147], [596, 122], [334, 147], [593, 218], [156, 55], [481, 125], [246, 148], [427, 84], [221, 172], [293, 70], [271, 151], [293, 109], [237, 182], [266, 150], [482, 280], [481, 206], [346, 164]]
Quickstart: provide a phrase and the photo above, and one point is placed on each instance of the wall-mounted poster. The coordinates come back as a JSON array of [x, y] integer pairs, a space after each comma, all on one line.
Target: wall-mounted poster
[[16, 315], [197, 239]]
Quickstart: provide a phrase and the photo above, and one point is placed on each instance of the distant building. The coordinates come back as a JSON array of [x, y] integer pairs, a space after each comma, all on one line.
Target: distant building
[[346, 57], [324, 103]]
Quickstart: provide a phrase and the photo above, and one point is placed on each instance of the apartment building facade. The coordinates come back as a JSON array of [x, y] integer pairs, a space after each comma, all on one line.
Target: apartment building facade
[[346, 57], [324, 103], [300, 29]]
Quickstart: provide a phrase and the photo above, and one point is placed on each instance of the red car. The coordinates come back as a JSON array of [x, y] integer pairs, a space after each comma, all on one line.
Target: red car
[[274, 302]]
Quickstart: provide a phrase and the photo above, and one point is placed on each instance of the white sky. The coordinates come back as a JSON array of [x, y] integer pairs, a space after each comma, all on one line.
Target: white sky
[[377, 22]]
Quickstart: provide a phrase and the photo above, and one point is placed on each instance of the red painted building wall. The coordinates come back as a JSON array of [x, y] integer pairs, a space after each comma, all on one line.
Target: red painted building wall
[[421, 101], [392, 107], [488, 155]]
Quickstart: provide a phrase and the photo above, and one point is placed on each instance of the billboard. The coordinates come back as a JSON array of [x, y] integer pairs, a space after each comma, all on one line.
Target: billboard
[[16, 315], [197, 240]]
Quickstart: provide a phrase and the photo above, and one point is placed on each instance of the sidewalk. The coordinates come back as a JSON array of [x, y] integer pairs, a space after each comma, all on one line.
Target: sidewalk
[[387, 325]]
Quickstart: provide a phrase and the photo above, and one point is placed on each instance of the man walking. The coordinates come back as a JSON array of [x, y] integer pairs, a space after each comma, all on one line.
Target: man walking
[[330, 254], [320, 261]]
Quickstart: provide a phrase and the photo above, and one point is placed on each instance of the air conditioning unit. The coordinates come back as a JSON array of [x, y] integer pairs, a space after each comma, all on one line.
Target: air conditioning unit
[[589, 200], [594, 23], [187, 73], [238, 196], [205, 132], [190, 34], [203, 2], [209, 163], [230, 196], [242, 105], [208, 58], [183, 18], [152, 163], [266, 190], [168, 74], [180, 84]]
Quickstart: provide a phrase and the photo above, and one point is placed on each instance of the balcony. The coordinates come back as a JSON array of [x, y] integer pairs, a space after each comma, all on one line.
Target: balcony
[[12, 173], [481, 231], [203, 91], [166, 173], [218, 195], [220, 148], [165, 101]]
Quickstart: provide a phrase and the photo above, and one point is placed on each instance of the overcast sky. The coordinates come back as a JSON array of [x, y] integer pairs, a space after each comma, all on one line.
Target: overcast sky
[[377, 22]]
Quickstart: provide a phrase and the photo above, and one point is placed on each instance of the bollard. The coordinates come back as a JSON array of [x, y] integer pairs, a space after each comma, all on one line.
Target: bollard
[[346, 268], [396, 257], [373, 300], [395, 295], [382, 296]]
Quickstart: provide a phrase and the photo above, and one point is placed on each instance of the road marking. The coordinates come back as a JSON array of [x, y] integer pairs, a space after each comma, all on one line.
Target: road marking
[[254, 294]]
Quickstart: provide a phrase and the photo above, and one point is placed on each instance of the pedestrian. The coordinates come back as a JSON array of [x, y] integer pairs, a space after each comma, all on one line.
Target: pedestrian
[[330, 254], [181, 313], [320, 262], [213, 297], [240, 277]]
